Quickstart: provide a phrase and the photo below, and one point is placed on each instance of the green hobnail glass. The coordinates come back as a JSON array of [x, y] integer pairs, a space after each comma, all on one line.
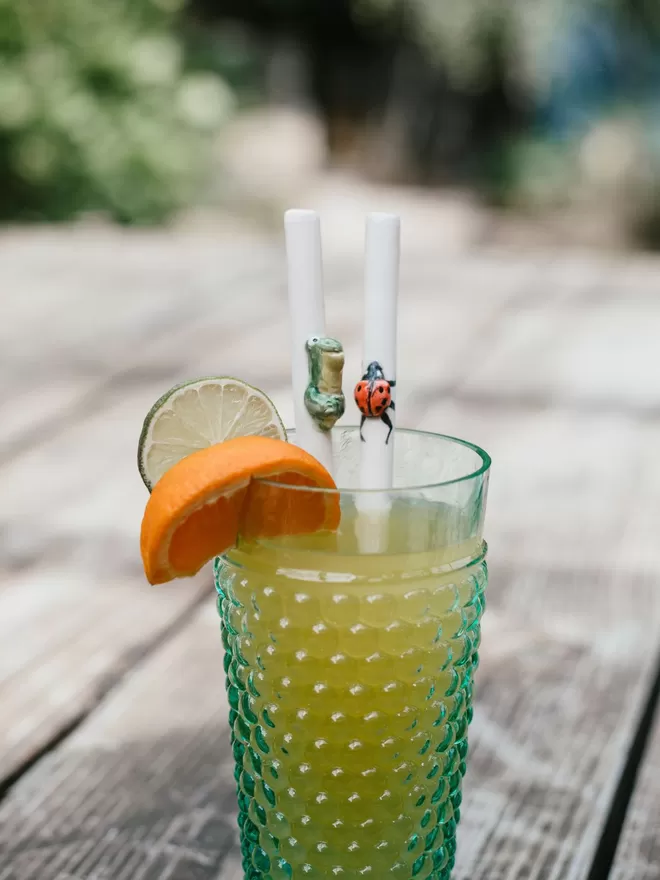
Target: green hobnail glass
[[350, 663]]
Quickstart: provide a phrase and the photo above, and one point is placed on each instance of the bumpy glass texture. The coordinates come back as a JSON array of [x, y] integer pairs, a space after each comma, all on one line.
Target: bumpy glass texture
[[349, 708]]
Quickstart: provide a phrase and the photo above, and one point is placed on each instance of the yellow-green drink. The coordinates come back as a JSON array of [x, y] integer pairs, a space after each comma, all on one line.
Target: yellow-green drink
[[349, 676]]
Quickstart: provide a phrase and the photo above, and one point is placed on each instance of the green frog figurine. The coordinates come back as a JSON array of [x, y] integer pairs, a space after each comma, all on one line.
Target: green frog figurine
[[324, 399]]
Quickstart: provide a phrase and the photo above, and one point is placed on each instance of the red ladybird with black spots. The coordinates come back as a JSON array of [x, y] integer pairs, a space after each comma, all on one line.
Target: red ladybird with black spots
[[373, 396]]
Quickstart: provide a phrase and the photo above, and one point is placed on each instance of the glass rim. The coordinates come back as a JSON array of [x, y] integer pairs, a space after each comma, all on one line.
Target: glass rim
[[483, 468]]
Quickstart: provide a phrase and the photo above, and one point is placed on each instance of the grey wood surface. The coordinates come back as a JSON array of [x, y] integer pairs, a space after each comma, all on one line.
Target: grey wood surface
[[68, 635], [86, 313], [144, 789], [547, 360], [638, 854]]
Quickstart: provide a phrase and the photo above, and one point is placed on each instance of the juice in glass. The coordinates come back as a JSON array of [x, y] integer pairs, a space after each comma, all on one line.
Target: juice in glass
[[350, 673]]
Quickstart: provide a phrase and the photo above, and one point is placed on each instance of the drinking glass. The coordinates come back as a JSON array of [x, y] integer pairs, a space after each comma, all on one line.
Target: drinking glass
[[350, 657]]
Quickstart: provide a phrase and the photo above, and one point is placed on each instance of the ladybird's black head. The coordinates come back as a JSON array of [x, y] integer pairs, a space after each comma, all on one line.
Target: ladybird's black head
[[374, 371]]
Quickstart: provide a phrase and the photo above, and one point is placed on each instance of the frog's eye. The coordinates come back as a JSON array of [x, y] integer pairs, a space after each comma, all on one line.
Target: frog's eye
[[314, 340]]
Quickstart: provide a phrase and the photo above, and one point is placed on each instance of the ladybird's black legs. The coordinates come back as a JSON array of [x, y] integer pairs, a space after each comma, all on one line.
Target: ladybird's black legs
[[388, 421], [391, 406], [362, 421]]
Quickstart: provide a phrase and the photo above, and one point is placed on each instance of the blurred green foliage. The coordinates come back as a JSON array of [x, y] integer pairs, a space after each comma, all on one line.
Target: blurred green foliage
[[98, 112]]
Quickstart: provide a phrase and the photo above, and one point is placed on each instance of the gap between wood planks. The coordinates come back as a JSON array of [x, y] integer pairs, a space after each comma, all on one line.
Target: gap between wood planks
[[113, 680], [605, 854]]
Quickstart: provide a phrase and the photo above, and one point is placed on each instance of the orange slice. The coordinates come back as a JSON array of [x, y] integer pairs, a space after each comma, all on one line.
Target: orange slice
[[198, 506]]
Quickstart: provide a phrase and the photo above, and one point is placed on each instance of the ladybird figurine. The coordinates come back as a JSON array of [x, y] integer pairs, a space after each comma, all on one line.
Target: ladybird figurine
[[373, 396]]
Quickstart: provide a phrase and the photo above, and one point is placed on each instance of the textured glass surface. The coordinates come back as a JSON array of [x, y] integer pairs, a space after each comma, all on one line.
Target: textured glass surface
[[349, 708]]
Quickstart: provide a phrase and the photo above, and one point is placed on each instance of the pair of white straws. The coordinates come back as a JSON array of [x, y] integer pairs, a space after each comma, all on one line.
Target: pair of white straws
[[307, 309]]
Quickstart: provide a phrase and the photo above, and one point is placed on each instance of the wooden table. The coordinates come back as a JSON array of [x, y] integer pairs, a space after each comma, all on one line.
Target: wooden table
[[114, 760]]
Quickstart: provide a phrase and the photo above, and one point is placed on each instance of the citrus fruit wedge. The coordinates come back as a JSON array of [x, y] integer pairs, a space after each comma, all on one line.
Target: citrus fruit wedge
[[199, 413], [197, 507]]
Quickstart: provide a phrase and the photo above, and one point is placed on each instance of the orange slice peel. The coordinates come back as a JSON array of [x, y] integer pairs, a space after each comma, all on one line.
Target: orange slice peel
[[198, 507]]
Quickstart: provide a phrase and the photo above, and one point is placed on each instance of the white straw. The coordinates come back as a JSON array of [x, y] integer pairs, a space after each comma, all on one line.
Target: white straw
[[307, 311], [381, 288]]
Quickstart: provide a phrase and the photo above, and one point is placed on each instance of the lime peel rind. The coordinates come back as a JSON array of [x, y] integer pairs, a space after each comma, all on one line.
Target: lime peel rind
[[161, 405]]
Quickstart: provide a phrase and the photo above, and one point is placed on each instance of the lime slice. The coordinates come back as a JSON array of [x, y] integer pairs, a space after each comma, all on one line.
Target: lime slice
[[198, 414]]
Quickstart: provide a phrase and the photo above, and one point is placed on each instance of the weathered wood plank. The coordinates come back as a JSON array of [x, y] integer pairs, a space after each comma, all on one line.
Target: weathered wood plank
[[574, 352], [638, 853], [75, 610], [562, 688], [86, 297], [67, 634], [568, 489], [143, 790], [85, 305]]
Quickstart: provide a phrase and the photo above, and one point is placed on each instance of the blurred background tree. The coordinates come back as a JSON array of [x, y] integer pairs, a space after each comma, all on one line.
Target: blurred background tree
[[558, 100], [98, 112], [113, 106]]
